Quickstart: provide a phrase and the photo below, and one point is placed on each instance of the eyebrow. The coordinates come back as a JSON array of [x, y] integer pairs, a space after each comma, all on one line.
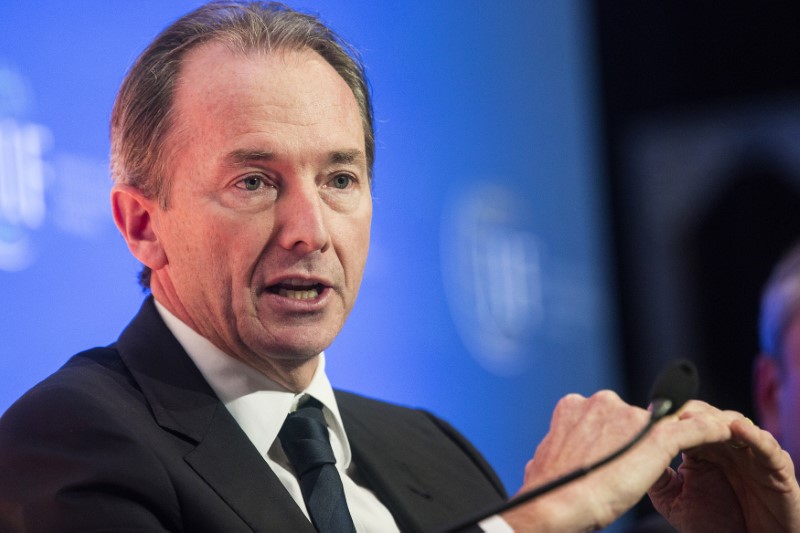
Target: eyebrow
[[347, 157], [242, 156], [338, 157]]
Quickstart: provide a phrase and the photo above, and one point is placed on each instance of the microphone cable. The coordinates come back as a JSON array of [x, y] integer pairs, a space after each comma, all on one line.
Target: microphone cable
[[674, 386]]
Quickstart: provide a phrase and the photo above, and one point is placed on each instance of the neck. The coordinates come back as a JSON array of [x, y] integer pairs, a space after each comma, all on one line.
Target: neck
[[292, 372], [295, 376]]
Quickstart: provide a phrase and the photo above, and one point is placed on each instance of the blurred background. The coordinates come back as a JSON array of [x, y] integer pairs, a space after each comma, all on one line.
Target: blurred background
[[568, 195]]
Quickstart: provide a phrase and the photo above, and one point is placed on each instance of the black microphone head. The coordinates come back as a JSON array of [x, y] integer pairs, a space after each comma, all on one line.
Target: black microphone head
[[676, 384]]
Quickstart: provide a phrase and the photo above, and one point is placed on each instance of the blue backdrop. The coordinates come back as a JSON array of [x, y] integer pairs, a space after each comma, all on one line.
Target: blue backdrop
[[486, 295]]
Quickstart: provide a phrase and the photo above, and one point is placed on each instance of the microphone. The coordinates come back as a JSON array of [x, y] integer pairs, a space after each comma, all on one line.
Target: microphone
[[675, 385]]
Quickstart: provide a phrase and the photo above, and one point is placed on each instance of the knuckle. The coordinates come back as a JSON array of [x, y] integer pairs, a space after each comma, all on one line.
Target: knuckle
[[568, 404], [606, 397], [571, 400]]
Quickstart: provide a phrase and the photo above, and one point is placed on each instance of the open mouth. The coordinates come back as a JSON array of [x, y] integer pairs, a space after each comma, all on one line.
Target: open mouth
[[297, 291]]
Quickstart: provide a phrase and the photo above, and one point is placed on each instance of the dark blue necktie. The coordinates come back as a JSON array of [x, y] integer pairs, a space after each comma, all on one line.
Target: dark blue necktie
[[304, 437]]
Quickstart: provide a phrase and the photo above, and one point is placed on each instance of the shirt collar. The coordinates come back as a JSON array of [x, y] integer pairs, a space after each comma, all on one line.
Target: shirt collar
[[258, 404]]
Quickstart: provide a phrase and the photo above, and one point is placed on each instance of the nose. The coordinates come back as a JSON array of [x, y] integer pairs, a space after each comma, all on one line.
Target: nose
[[300, 224]]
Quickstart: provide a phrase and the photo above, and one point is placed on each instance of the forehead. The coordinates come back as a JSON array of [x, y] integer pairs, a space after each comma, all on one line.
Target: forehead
[[296, 92]]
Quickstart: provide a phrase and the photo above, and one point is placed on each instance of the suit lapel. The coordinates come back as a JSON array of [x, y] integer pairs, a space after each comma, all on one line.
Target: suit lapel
[[387, 473], [182, 402], [395, 485], [426, 476], [241, 477]]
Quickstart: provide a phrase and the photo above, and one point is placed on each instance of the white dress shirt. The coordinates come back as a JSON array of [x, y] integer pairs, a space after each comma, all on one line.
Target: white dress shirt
[[260, 406]]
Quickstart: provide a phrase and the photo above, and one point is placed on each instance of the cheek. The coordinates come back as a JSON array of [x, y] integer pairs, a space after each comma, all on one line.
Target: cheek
[[216, 243], [358, 244], [237, 245], [790, 396], [790, 407], [351, 245]]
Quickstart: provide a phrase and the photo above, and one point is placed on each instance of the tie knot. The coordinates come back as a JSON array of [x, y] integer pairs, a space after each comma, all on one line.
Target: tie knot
[[304, 437]]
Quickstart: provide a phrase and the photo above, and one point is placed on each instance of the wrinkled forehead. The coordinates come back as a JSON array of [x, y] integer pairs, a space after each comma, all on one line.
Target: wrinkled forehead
[[255, 101]]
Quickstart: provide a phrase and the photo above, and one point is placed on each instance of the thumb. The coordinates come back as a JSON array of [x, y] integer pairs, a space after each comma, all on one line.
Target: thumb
[[665, 490]]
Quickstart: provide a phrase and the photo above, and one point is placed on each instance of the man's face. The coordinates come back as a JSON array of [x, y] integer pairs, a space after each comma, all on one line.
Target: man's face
[[267, 230]]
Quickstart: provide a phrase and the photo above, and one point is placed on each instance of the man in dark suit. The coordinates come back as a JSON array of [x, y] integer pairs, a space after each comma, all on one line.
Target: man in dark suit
[[242, 149], [153, 448]]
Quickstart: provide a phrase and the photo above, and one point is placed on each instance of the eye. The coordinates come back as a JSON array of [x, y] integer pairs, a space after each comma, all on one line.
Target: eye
[[251, 183], [341, 181]]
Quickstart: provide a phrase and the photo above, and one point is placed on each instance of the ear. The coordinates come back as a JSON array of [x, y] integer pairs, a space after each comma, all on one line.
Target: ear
[[133, 215], [766, 386]]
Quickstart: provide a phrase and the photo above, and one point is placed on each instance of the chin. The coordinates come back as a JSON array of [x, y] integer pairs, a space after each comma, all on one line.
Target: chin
[[293, 348]]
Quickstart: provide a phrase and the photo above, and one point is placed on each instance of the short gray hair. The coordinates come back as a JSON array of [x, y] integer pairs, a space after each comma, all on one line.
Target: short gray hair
[[780, 303], [142, 115]]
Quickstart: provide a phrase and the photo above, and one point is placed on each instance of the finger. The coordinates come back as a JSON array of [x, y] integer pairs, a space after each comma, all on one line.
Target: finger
[[609, 413], [694, 408], [567, 411], [665, 491], [665, 482], [723, 446], [751, 449], [744, 434], [765, 449], [698, 425]]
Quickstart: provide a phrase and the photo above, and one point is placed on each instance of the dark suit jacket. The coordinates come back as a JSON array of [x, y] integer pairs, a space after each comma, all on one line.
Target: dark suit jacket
[[131, 437]]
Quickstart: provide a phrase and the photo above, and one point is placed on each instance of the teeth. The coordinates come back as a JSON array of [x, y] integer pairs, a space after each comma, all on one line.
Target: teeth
[[300, 282], [298, 295]]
